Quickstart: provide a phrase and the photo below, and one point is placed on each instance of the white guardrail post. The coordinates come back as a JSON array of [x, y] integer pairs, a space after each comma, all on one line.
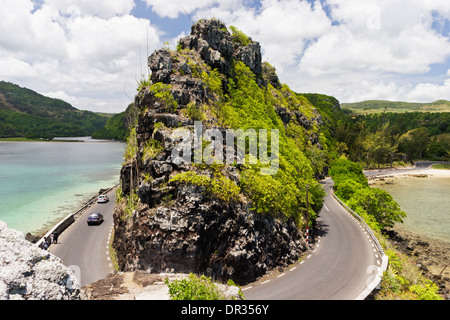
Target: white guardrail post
[[384, 258]]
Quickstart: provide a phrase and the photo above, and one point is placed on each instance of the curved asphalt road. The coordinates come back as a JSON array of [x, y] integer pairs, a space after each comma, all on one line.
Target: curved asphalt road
[[85, 249], [341, 264]]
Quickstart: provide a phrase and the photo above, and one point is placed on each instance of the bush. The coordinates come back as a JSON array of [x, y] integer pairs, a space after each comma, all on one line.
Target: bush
[[194, 288], [151, 149], [344, 169], [219, 187], [347, 188], [378, 204], [239, 37], [403, 280], [373, 204]]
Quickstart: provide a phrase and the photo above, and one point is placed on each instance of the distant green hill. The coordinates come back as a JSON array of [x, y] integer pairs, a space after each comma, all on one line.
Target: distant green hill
[[25, 113], [378, 106], [117, 127]]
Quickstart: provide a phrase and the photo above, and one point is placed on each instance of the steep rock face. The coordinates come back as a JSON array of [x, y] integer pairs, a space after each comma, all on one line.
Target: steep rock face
[[202, 235], [30, 273], [184, 227]]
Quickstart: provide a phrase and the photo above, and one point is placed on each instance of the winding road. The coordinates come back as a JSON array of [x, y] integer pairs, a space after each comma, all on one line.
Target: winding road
[[340, 266], [342, 263]]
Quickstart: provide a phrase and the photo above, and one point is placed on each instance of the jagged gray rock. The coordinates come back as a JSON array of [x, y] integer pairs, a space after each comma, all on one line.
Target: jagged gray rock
[[30, 273], [211, 39]]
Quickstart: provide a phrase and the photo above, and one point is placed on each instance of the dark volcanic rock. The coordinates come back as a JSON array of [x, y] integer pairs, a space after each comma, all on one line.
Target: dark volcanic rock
[[203, 235]]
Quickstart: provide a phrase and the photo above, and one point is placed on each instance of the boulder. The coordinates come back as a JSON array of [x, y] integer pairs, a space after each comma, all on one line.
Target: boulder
[[30, 273]]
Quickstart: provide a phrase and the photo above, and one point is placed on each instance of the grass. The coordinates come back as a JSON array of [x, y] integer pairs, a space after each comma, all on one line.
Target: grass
[[378, 106], [441, 166], [18, 139]]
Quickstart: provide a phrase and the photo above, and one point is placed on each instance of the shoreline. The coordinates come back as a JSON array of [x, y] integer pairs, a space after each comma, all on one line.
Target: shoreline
[[405, 173], [63, 140], [431, 256]]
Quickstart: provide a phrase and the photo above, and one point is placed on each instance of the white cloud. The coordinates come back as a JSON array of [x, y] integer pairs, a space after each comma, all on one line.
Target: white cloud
[[13, 68], [281, 26], [102, 8], [377, 50], [359, 44], [405, 43], [94, 57], [25, 32], [93, 52], [428, 92], [173, 8]]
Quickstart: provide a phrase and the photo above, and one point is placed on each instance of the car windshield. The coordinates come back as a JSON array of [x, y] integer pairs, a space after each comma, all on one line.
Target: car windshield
[[93, 216]]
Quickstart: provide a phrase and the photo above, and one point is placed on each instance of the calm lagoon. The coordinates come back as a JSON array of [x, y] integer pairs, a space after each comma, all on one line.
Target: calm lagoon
[[426, 200], [42, 182]]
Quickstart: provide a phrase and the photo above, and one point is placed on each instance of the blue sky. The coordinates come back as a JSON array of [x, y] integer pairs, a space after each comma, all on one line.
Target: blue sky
[[92, 53]]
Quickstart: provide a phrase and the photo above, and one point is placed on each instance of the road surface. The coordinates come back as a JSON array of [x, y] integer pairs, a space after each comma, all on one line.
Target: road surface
[[341, 264], [85, 249]]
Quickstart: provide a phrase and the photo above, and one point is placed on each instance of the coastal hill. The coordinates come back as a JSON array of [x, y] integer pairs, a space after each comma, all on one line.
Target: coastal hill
[[378, 106], [26, 113]]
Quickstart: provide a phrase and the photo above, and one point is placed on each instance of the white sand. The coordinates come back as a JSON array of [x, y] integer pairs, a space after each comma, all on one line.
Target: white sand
[[402, 173]]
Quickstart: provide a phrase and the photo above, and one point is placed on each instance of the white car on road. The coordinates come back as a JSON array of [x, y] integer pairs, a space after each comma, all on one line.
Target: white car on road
[[102, 199]]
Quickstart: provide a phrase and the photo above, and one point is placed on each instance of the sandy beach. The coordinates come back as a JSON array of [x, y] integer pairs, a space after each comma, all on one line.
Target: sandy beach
[[405, 173]]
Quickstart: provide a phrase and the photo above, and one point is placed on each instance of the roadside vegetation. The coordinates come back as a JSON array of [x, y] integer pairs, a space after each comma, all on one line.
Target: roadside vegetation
[[196, 288], [403, 279]]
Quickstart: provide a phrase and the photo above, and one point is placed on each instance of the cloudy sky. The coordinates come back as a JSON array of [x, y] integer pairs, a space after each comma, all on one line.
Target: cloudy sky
[[91, 53]]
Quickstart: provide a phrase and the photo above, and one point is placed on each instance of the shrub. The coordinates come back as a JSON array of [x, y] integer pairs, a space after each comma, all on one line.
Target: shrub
[[163, 93], [194, 288], [375, 204], [379, 204], [219, 187], [239, 37], [151, 149]]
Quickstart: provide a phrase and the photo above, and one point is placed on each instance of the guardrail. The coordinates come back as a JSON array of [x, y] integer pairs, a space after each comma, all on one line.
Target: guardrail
[[384, 258], [69, 219]]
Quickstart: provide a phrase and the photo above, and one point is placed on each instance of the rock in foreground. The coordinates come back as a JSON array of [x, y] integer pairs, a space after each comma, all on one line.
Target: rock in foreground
[[30, 273]]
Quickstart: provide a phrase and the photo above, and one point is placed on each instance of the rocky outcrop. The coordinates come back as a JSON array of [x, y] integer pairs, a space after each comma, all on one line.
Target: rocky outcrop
[[216, 47], [182, 227], [30, 273], [202, 235]]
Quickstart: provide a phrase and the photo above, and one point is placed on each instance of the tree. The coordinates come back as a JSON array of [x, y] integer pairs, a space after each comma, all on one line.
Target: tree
[[414, 143], [379, 204], [379, 146], [319, 160]]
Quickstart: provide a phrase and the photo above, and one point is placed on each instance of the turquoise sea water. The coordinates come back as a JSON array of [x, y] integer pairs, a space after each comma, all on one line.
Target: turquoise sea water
[[42, 182], [426, 202]]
